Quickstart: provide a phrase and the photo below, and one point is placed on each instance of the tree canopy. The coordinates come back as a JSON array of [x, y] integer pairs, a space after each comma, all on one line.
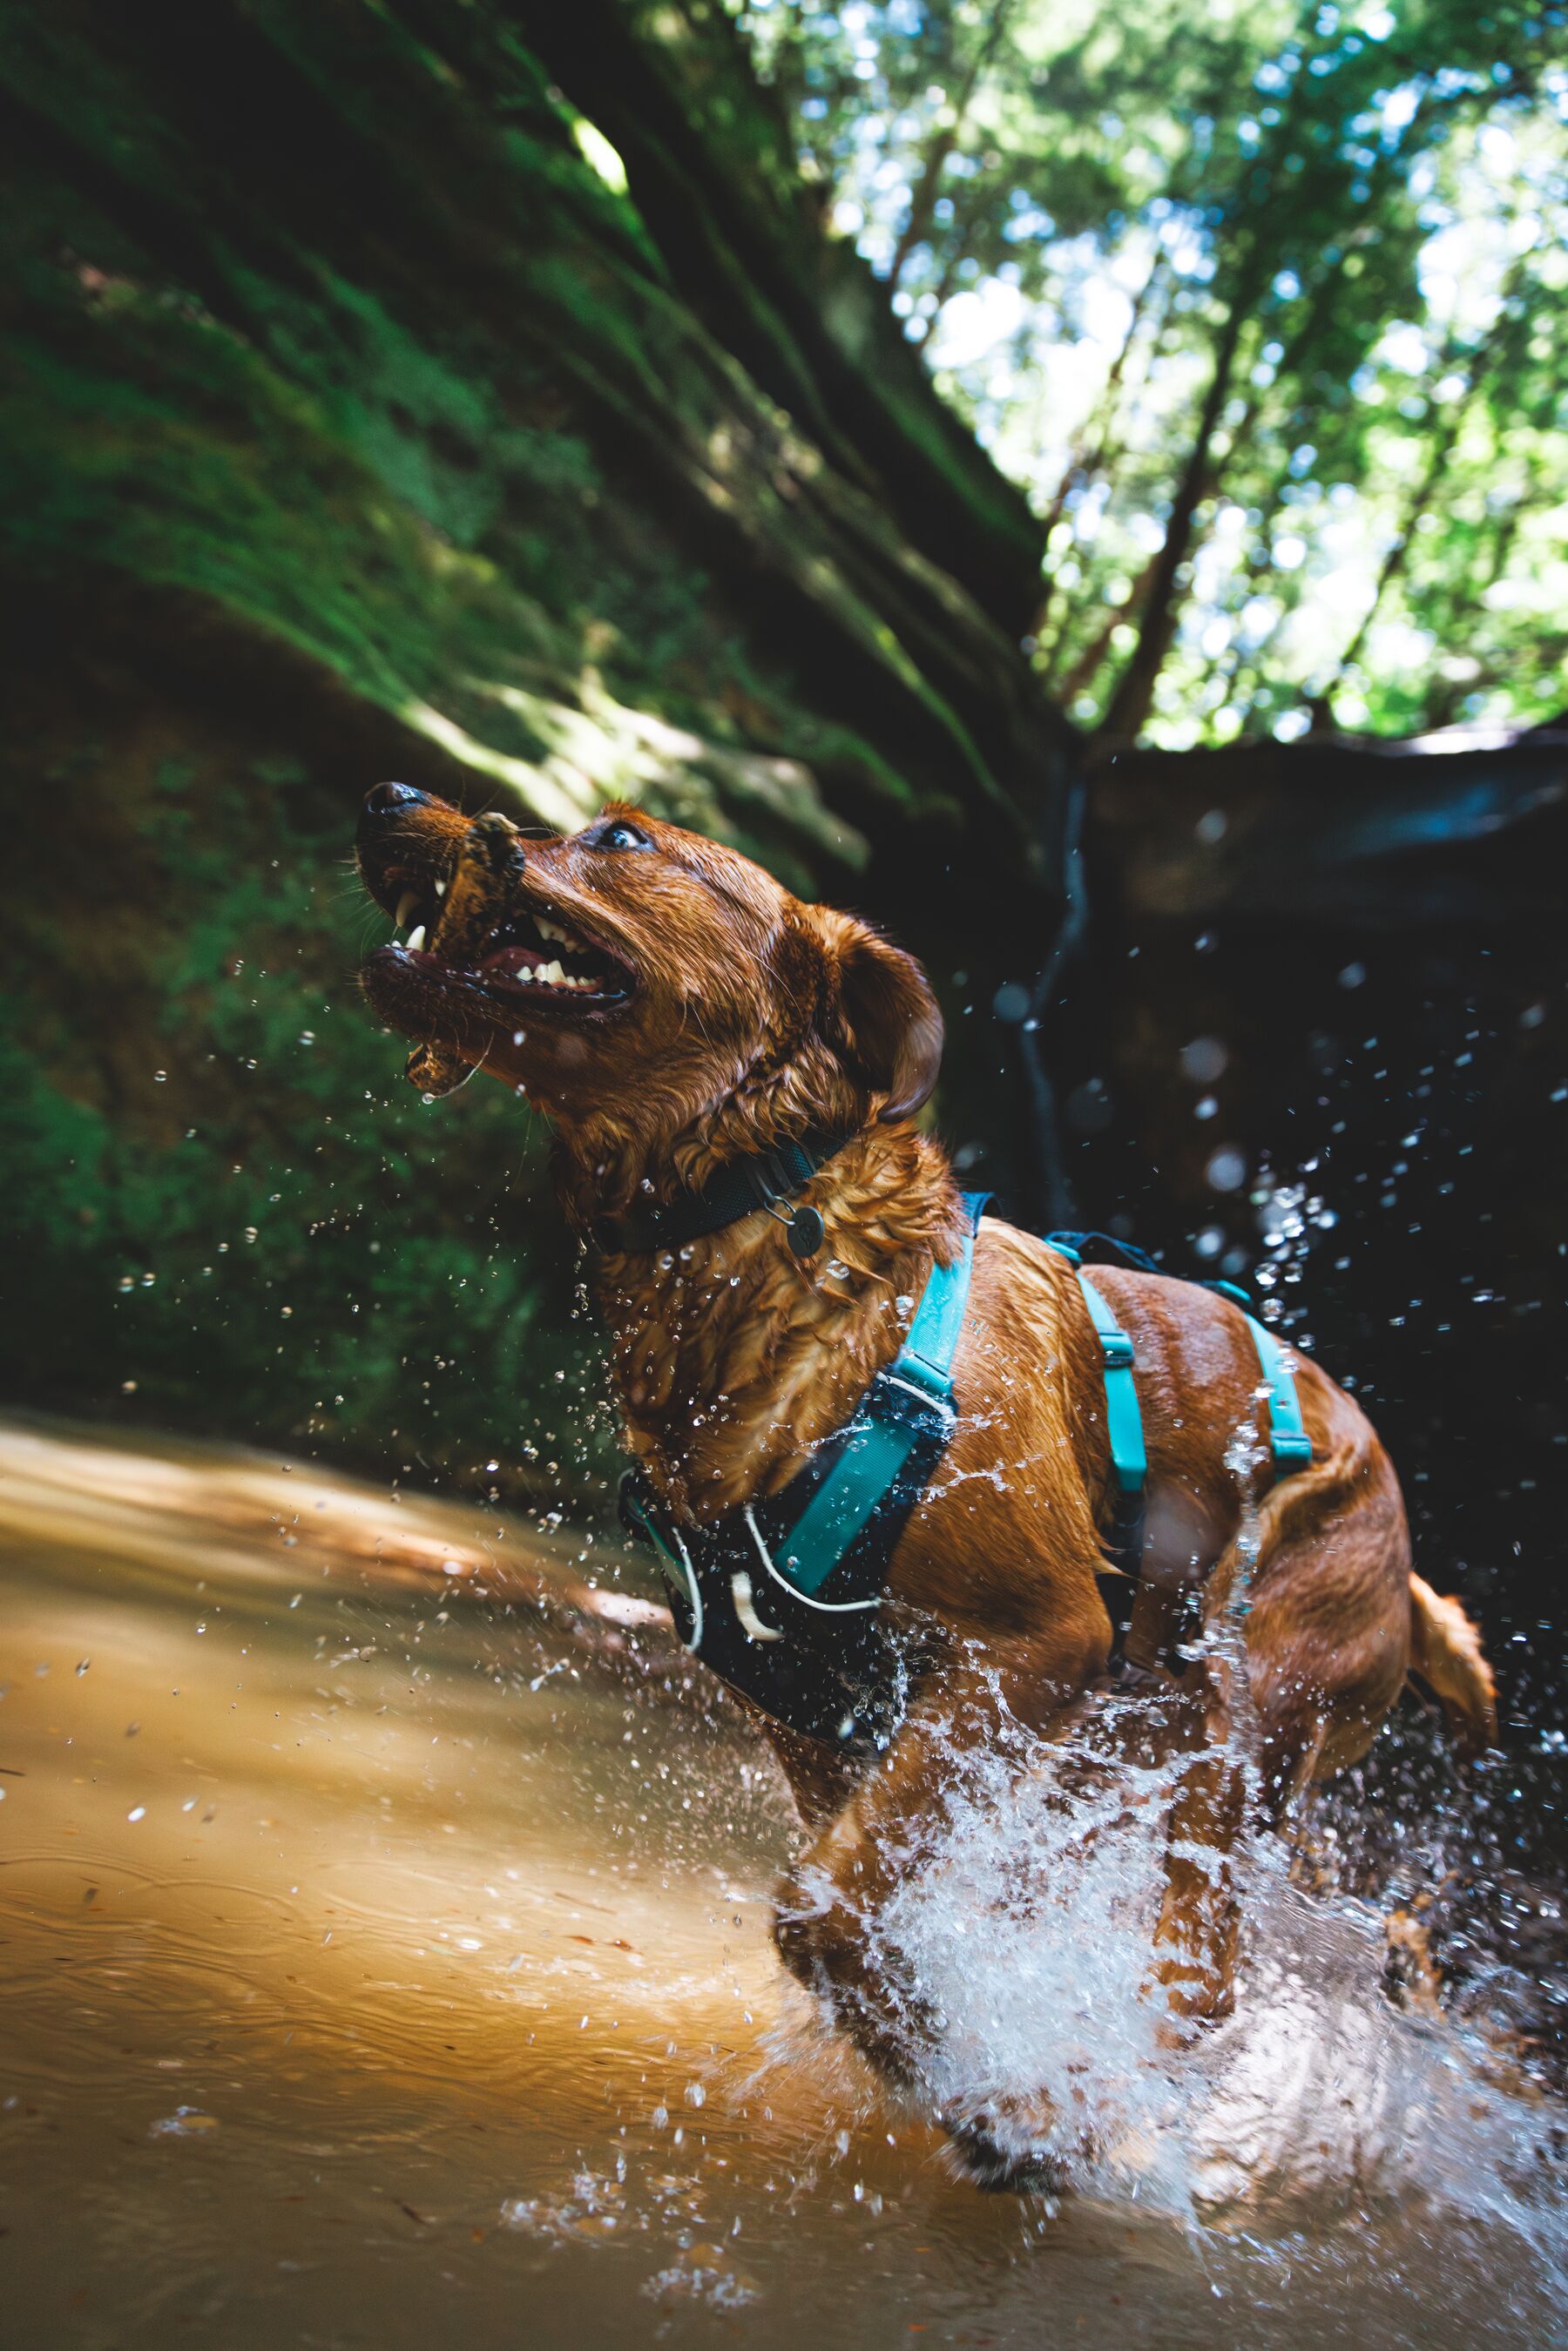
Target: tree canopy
[[1262, 305]]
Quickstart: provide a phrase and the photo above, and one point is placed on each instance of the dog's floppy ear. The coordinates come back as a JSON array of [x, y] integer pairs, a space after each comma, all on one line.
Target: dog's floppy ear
[[879, 1014]]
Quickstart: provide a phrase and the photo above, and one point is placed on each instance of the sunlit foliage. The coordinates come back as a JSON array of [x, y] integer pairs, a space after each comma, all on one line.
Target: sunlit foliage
[[1263, 305]]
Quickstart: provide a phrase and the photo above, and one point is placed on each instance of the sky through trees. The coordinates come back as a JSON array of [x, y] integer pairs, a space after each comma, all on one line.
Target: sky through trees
[[1263, 307]]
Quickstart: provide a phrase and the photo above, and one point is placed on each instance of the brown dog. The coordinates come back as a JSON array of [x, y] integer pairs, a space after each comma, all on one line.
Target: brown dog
[[672, 1009]]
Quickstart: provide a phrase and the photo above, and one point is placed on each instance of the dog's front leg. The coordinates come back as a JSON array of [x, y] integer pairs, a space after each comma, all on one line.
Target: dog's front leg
[[829, 1908]]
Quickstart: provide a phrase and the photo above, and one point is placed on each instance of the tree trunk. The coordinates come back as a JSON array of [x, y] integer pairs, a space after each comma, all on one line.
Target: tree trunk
[[1134, 696], [927, 186]]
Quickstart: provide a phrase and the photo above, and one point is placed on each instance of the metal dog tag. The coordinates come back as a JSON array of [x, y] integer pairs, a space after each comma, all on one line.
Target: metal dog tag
[[807, 1233]]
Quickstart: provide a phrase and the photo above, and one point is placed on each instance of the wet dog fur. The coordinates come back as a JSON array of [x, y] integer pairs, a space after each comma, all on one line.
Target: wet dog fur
[[711, 1014]]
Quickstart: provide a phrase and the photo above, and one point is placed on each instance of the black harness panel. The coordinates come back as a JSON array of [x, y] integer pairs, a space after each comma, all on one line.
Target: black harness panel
[[825, 1661]]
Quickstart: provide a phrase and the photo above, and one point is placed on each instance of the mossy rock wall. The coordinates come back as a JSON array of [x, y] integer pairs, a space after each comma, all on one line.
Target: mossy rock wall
[[363, 413]]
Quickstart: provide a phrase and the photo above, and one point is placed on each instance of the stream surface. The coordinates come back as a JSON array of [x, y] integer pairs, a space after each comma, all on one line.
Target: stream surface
[[384, 1936]]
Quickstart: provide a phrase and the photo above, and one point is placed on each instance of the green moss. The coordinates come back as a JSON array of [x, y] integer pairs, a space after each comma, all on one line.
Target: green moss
[[396, 434], [306, 1248]]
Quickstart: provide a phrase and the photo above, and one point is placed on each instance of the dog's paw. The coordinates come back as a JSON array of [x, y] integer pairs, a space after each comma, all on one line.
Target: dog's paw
[[1007, 2149]]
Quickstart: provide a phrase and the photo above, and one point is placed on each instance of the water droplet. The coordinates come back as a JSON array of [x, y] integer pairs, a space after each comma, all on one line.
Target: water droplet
[[1205, 1059]]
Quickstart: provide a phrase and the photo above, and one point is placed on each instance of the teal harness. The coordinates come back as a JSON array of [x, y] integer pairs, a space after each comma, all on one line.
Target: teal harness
[[1289, 1446], [783, 1598]]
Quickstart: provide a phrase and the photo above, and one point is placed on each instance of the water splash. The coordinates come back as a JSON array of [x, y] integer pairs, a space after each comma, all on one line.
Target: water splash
[[1028, 1940], [1291, 1215]]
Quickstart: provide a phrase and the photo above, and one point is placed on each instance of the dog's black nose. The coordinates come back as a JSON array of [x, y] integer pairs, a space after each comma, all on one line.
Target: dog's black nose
[[390, 800]]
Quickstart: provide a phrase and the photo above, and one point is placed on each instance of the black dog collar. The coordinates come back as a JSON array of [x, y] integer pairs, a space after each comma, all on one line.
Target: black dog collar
[[739, 1189]]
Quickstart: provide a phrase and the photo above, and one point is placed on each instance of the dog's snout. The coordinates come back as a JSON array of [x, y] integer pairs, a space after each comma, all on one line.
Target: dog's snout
[[391, 800]]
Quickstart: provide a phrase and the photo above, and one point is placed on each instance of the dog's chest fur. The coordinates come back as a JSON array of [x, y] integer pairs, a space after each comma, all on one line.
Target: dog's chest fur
[[733, 1358]]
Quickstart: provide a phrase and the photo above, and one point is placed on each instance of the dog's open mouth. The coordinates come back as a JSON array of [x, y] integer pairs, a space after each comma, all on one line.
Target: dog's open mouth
[[476, 954], [526, 956]]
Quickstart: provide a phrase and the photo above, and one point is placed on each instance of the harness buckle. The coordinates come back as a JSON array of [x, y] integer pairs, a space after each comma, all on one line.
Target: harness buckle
[[1292, 1451], [922, 1374], [1118, 1350]]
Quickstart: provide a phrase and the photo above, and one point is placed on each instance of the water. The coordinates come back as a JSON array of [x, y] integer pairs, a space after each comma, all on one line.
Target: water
[[386, 1955]]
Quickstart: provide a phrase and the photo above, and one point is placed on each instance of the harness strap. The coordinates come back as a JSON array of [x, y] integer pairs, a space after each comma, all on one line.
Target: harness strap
[[879, 1448], [1291, 1444], [1129, 1460], [1129, 1465], [1123, 1421]]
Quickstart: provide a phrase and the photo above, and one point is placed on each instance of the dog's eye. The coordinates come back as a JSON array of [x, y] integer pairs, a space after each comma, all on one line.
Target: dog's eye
[[620, 835]]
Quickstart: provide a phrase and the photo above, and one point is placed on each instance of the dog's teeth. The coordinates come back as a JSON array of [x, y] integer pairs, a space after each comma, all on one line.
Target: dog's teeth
[[441, 889], [548, 930], [416, 939], [406, 906], [552, 973]]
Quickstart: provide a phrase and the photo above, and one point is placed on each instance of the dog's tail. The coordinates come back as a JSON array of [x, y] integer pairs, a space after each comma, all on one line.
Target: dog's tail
[[1446, 1654]]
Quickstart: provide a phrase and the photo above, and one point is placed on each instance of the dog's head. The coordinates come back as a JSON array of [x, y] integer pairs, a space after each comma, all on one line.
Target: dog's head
[[641, 985]]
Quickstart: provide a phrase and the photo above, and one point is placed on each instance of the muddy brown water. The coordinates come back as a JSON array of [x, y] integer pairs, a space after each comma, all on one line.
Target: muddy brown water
[[380, 1966]]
